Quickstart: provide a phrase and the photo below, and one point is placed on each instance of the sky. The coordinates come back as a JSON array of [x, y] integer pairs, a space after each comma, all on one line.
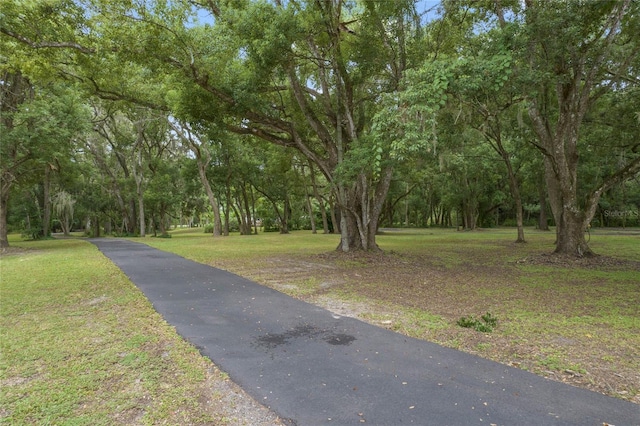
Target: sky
[[427, 7]]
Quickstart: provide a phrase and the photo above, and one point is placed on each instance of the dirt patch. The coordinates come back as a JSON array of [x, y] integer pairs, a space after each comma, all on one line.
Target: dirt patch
[[590, 262], [13, 251], [224, 397]]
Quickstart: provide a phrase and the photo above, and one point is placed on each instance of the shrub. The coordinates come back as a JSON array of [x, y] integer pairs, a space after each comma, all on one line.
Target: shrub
[[485, 324]]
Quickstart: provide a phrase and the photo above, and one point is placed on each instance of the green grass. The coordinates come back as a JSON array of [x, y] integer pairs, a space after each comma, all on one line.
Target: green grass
[[81, 345], [196, 245], [550, 317]]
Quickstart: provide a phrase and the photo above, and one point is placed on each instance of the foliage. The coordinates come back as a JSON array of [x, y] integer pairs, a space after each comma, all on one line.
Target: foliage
[[150, 115], [485, 324]]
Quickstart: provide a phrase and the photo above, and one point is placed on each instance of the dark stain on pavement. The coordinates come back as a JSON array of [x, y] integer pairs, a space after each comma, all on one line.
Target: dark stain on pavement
[[338, 339], [271, 341]]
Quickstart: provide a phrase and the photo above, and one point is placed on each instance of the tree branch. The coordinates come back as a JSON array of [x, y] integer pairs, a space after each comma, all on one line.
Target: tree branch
[[46, 44]]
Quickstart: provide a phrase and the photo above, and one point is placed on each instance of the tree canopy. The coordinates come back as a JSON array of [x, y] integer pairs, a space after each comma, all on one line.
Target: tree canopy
[[356, 113]]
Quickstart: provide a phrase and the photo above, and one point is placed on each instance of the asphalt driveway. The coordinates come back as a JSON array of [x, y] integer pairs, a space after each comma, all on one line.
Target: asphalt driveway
[[313, 367]]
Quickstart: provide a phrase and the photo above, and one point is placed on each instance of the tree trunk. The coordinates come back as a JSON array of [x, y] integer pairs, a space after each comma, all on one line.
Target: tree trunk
[[312, 219], [242, 215], [162, 222], [569, 218], [4, 205], [307, 203], [143, 228], [334, 218], [131, 225], [316, 194], [469, 213], [253, 211], [213, 202], [571, 235], [46, 202], [495, 138], [286, 215], [233, 207], [140, 194], [515, 192], [227, 211], [360, 209], [543, 224], [96, 227], [247, 209], [578, 82]]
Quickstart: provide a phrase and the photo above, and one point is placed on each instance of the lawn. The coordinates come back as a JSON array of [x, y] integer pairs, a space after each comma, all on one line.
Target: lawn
[[571, 321], [81, 345]]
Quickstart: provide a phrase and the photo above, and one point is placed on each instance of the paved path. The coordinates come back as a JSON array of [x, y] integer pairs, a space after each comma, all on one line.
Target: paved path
[[313, 367]]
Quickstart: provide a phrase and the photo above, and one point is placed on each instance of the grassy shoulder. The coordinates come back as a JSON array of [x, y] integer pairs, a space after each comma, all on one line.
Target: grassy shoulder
[[81, 345], [571, 321]]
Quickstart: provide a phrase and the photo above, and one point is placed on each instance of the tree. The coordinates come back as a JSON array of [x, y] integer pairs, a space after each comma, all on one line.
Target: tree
[[196, 143], [565, 57], [382, 107], [63, 204], [479, 85], [305, 75], [38, 126], [572, 54], [15, 91]]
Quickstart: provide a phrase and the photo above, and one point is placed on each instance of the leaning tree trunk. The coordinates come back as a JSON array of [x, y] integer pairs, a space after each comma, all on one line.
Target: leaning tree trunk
[[514, 187], [213, 202]]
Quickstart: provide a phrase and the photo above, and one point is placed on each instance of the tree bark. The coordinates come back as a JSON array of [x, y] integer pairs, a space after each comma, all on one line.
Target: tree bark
[[360, 210]]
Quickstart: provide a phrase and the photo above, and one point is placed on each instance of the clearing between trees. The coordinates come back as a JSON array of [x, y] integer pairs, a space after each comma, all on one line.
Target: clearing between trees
[[571, 320]]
